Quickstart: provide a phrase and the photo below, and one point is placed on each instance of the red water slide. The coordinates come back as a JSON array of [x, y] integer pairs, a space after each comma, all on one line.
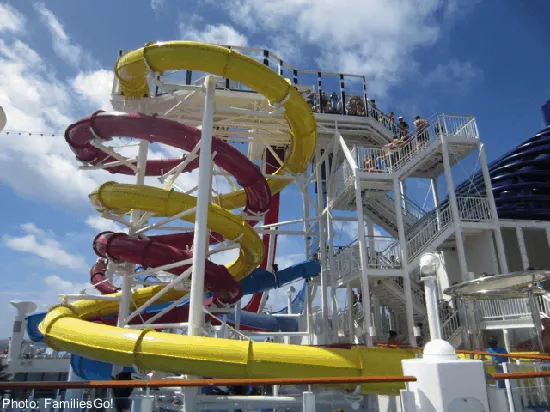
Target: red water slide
[[161, 250]]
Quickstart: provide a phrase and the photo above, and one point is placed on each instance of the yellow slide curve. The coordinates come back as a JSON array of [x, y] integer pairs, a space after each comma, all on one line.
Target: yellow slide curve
[[65, 327]]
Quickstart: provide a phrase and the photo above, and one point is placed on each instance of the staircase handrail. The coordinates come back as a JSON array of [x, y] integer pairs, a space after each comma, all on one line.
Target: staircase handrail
[[433, 228], [388, 160], [474, 208], [451, 325], [416, 211], [417, 291]]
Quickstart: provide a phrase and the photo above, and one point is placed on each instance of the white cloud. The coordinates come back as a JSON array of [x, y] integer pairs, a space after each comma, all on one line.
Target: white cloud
[[11, 20], [57, 286], [31, 229], [225, 257], [37, 242], [157, 4], [43, 167], [45, 295], [103, 225], [67, 51], [460, 76], [284, 261], [377, 39], [221, 34], [95, 88]]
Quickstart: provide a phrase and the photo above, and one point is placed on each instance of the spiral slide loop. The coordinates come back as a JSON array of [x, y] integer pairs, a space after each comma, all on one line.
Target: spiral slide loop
[[66, 327]]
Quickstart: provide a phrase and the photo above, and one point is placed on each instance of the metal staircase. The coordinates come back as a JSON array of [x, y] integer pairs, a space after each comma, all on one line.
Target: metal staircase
[[391, 291], [420, 156], [405, 159], [381, 209]]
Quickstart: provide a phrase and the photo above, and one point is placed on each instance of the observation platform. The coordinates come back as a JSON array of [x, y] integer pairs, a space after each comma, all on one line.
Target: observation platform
[[420, 157], [339, 102]]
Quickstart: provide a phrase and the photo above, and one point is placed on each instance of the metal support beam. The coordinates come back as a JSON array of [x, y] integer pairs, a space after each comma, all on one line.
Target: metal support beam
[[454, 211], [196, 313], [365, 286], [522, 248], [501, 254], [407, 286]]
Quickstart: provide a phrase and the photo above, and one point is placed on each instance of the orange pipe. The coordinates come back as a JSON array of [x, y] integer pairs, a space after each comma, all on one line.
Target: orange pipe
[[204, 382], [525, 356], [521, 375]]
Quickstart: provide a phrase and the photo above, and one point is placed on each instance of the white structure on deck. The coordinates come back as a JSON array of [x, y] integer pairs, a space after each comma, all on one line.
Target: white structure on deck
[[355, 177], [359, 173]]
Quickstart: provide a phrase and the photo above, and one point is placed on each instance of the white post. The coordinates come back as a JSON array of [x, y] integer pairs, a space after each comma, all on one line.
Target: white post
[[308, 402], [365, 287], [196, 313], [135, 216], [305, 213], [308, 314], [196, 303], [492, 205], [372, 243], [403, 189], [454, 210], [289, 301], [269, 267], [378, 325], [407, 287], [350, 313], [435, 196], [522, 248], [430, 288], [127, 280], [322, 248], [330, 238], [238, 307], [332, 262], [506, 337]]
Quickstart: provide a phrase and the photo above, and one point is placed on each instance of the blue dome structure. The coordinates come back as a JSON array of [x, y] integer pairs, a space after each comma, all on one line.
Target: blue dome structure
[[520, 180]]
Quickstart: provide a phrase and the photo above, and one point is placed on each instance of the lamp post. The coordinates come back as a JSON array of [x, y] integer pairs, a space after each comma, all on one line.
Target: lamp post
[[429, 263]]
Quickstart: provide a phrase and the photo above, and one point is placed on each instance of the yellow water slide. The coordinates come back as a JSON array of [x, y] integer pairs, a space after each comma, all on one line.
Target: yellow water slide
[[66, 327]]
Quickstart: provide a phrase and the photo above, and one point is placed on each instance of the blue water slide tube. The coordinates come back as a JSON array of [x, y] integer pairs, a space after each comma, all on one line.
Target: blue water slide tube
[[258, 281]]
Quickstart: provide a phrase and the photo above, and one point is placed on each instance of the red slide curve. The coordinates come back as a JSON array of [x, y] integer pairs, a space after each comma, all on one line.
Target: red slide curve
[[159, 250], [270, 217]]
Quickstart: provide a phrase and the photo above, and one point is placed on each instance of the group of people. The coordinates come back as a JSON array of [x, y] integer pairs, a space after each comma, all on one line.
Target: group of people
[[402, 137]]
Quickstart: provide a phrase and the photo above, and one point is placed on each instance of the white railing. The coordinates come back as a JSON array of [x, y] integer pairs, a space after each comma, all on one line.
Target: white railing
[[511, 308], [428, 228], [418, 294], [528, 394], [458, 126], [413, 209], [396, 155], [544, 304], [374, 159], [382, 253], [437, 222], [503, 309], [474, 208], [450, 325], [343, 177]]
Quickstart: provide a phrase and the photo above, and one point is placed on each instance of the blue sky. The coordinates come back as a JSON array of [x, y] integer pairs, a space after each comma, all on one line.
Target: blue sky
[[483, 57]]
